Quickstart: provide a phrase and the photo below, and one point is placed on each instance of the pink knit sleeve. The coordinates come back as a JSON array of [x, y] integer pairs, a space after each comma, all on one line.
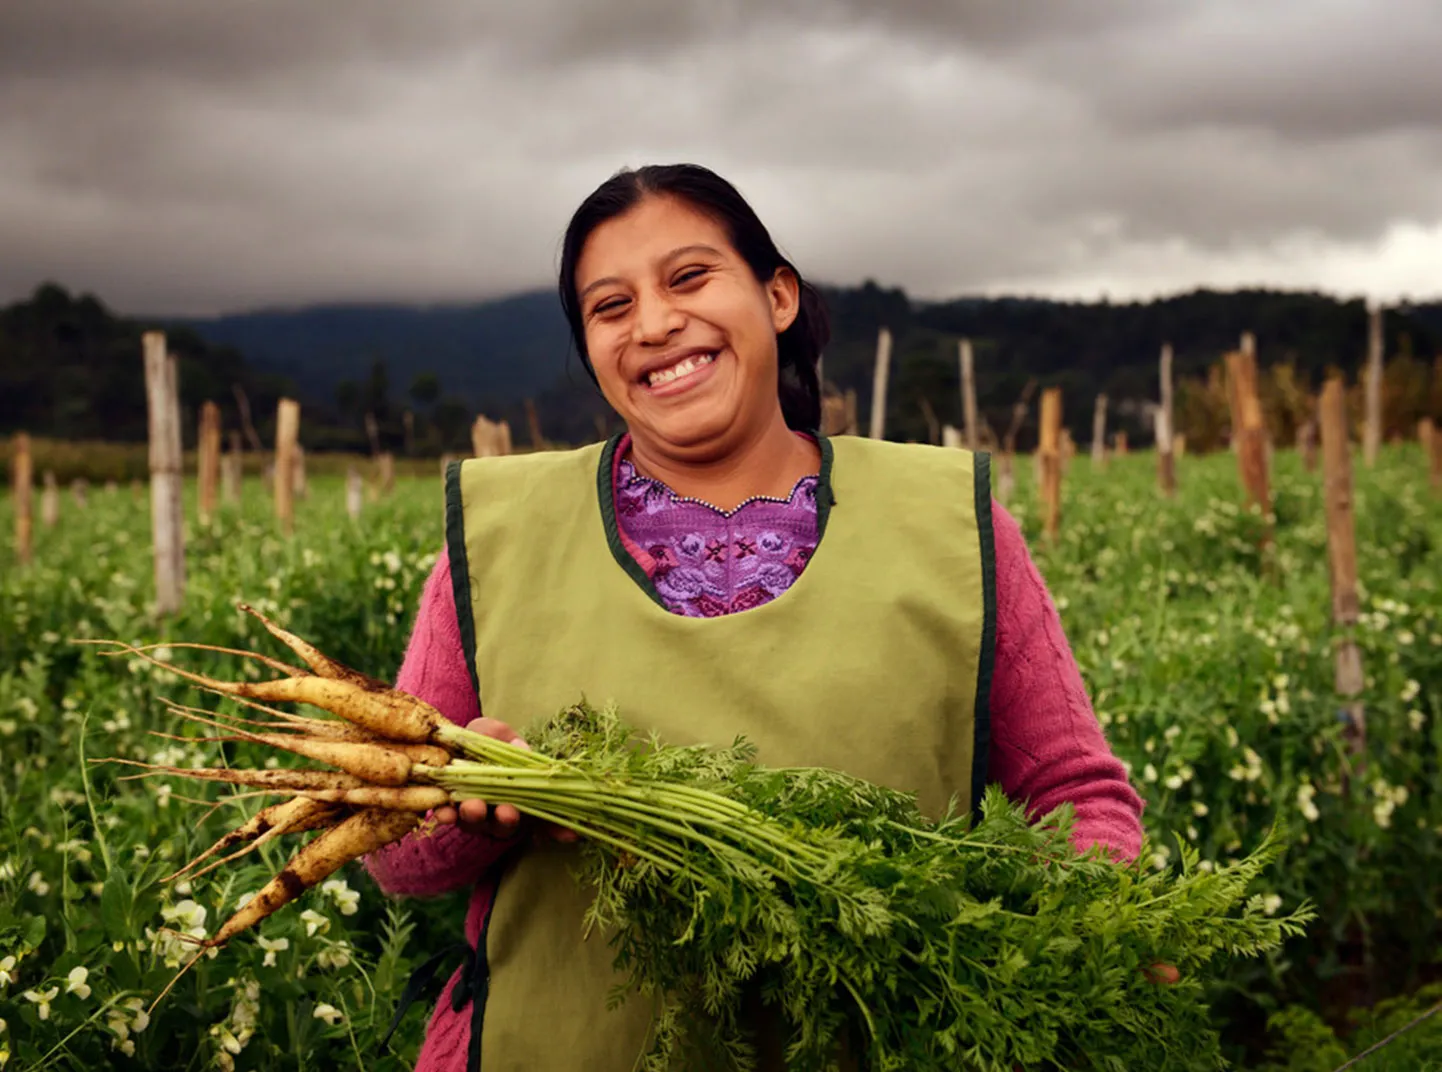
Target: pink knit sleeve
[[434, 670], [1046, 744]]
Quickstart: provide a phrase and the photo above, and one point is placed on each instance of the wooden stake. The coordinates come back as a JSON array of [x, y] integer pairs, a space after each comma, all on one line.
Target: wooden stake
[[22, 477], [1166, 461], [373, 433], [386, 464], [1372, 429], [1119, 444], [50, 501], [1099, 432], [167, 477], [1342, 554], [78, 490], [1307, 444], [951, 436], [1250, 431], [354, 490], [878, 385], [968, 397], [1050, 454], [287, 432], [231, 472], [853, 427], [208, 458], [1431, 441], [487, 439], [533, 425], [1167, 394], [933, 425]]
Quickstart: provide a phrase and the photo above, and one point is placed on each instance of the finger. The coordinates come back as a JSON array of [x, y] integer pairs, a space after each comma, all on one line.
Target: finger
[[445, 814], [473, 811], [494, 727], [507, 817]]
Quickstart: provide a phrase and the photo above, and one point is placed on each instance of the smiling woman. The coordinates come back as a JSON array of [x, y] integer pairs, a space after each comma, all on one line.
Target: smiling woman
[[719, 569]]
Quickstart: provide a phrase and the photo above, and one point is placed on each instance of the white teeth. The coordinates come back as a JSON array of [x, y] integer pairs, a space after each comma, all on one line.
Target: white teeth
[[681, 368]]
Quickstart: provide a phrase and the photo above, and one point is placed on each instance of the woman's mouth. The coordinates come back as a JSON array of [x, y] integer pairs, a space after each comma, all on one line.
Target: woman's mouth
[[687, 366]]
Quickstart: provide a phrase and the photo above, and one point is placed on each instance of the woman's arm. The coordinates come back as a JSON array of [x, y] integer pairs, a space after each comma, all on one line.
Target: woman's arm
[[1046, 744], [447, 858]]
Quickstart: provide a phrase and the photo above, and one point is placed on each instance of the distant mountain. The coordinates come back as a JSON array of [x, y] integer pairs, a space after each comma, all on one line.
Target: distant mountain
[[71, 368], [506, 349]]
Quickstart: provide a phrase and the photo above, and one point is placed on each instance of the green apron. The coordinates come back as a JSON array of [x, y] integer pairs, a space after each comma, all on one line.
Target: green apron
[[876, 661]]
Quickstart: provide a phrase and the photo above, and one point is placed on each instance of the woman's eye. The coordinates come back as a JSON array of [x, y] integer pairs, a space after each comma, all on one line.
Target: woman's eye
[[688, 275], [605, 308]]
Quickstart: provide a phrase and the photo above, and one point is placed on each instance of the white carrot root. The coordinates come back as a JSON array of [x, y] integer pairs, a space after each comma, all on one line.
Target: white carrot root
[[286, 817], [410, 798], [354, 837]]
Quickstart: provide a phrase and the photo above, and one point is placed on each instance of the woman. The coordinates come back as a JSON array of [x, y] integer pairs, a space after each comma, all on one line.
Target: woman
[[719, 569]]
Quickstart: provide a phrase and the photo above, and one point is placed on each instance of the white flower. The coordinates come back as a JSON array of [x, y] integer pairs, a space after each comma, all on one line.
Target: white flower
[[1172, 733], [75, 983], [8, 974], [334, 956], [125, 1046], [346, 899], [272, 947], [1410, 691], [1149, 773], [314, 922], [1174, 781], [43, 998], [140, 1019], [1305, 792], [7, 870], [1270, 903], [186, 914], [1199, 809], [37, 884], [329, 1013], [1416, 719]]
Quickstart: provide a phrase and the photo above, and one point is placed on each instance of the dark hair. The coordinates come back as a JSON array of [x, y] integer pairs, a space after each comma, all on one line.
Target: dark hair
[[798, 348]]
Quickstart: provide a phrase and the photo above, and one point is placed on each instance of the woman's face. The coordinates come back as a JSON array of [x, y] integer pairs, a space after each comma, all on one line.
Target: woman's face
[[681, 334]]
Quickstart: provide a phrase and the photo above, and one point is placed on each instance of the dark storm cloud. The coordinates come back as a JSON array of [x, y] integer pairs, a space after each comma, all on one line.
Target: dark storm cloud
[[173, 155]]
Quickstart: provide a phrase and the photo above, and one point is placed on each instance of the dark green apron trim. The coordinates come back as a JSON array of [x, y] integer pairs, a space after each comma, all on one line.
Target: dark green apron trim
[[473, 987], [460, 571], [981, 708]]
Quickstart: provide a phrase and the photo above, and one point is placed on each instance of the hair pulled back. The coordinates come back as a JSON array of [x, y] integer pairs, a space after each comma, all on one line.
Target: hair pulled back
[[798, 348]]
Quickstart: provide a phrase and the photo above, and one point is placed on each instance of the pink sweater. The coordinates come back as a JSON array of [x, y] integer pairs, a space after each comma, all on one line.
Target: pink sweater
[[1046, 748]]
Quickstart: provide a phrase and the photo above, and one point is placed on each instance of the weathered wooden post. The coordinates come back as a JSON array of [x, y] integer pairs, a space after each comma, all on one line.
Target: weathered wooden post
[[968, 397], [1307, 444], [1049, 450], [1342, 555], [287, 432], [298, 479], [50, 501], [167, 475], [1166, 460], [354, 492], [952, 437], [22, 477], [208, 459], [1166, 425], [1119, 444], [1431, 441], [1250, 429], [1179, 445], [881, 374], [1372, 429], [386, 466], [489, 438], [853, 424], [231, 471], [1099, 432]]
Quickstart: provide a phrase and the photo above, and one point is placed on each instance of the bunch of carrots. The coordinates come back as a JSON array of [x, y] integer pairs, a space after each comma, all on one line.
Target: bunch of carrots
[[988, 937]]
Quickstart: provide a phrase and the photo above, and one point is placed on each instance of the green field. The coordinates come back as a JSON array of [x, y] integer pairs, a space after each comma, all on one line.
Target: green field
[[1209, 662]]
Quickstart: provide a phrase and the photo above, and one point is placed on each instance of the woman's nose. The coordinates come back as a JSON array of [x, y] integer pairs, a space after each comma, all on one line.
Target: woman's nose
[[656, 320]]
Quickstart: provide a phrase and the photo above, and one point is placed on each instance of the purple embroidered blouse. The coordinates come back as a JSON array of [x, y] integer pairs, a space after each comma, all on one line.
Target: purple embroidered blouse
[[709, 562]]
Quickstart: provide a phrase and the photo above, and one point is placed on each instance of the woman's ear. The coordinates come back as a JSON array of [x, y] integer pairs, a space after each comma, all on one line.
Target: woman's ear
[[784, 293]]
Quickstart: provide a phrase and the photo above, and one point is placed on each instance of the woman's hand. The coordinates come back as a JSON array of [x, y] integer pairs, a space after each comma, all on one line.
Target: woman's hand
[[503, 821]]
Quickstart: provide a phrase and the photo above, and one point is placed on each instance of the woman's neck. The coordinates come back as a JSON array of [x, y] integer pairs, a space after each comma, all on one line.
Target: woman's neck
[[769, 465]]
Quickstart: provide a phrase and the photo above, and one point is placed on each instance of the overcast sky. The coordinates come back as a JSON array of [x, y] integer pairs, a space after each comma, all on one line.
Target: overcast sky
[[176, 156]]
